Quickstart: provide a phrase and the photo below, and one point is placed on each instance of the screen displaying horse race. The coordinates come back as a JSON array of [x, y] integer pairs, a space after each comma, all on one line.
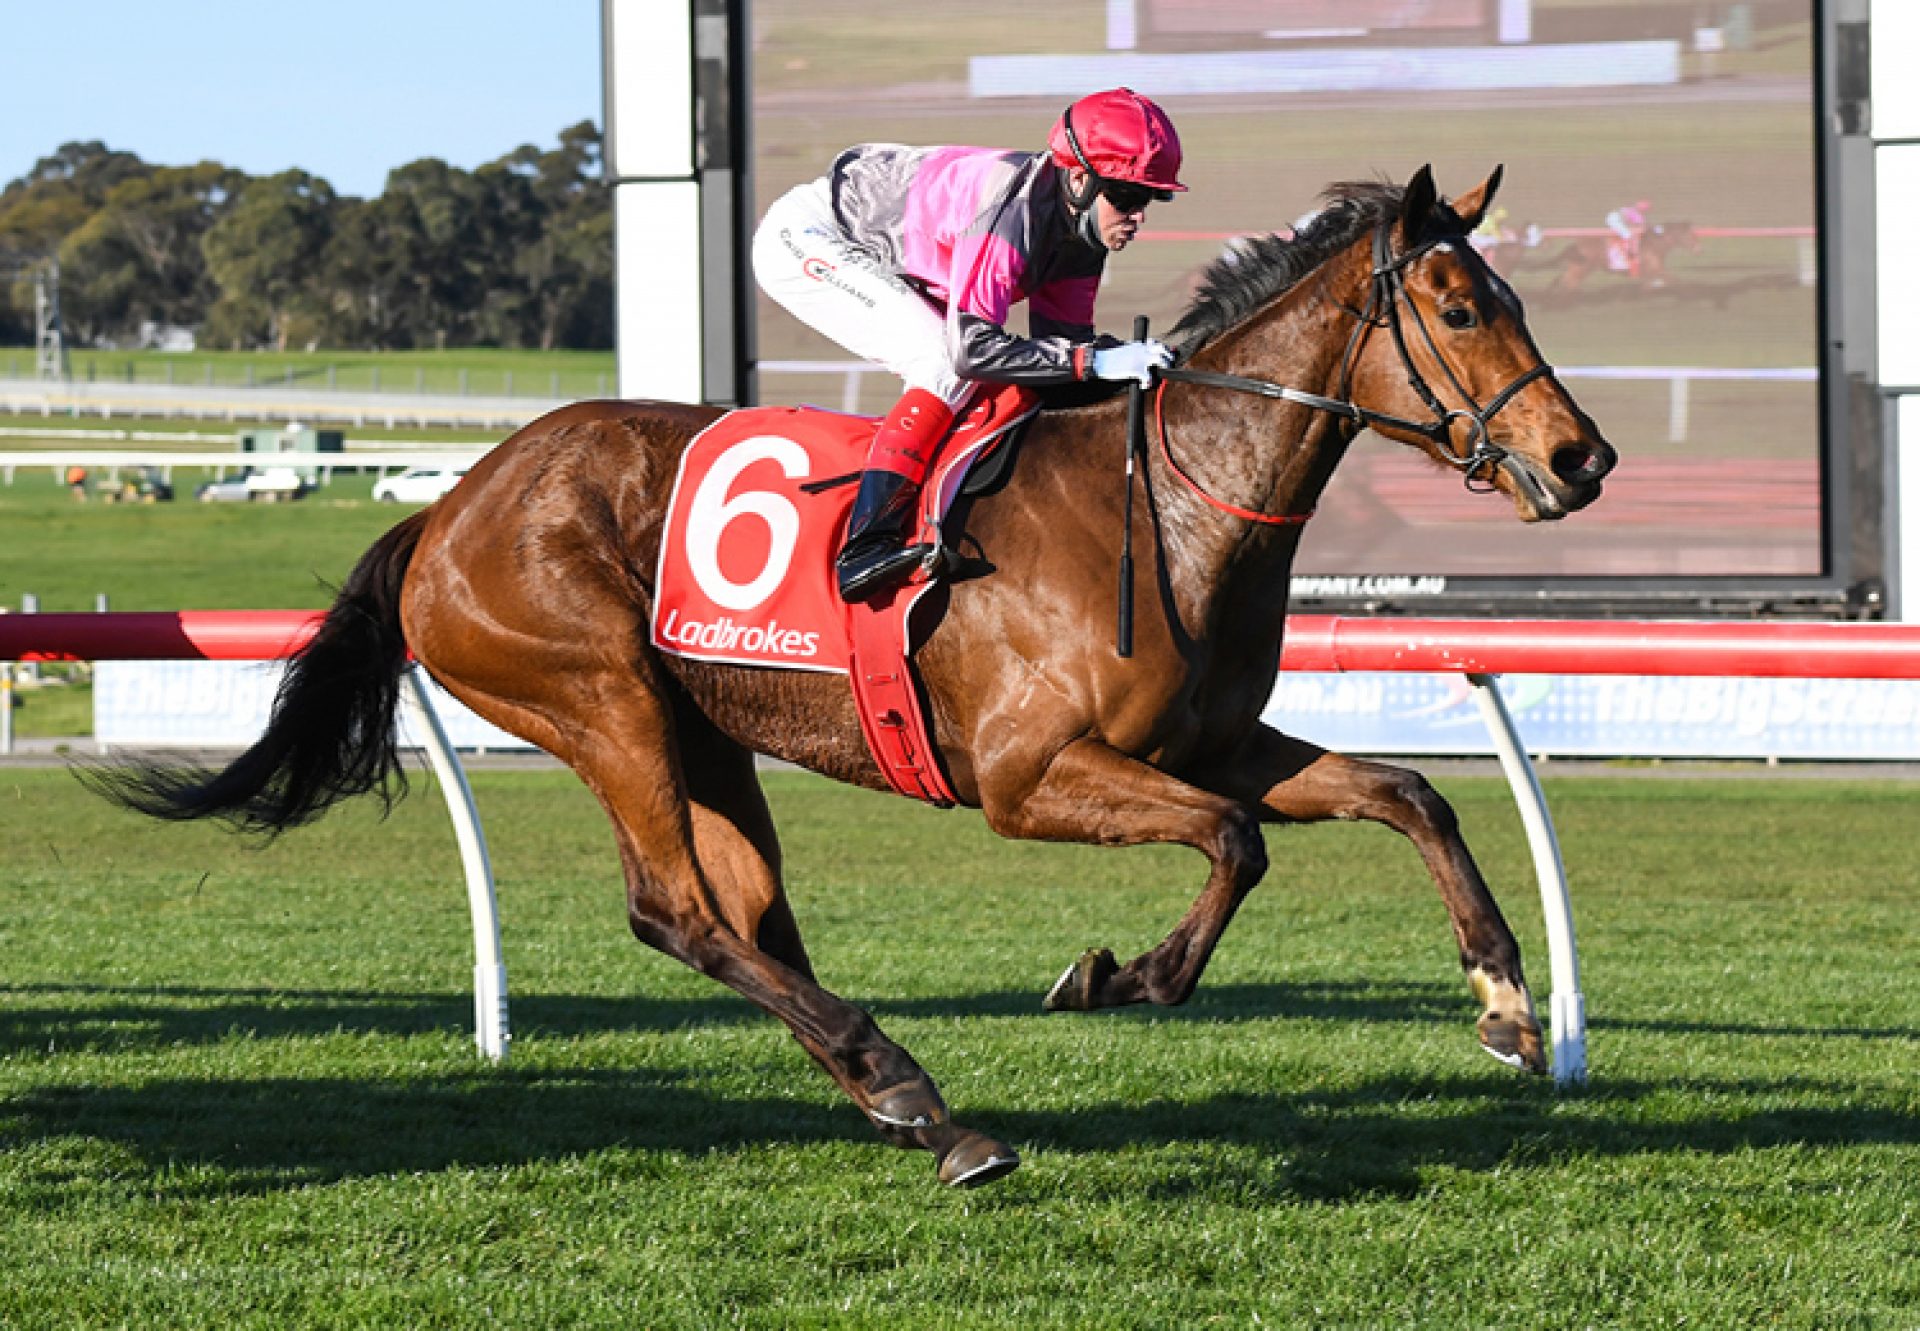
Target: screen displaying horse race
[[1656, 218]]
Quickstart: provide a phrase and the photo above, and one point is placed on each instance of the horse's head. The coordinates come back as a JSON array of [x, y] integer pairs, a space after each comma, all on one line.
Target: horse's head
[[1457, 373], [1673, 236]]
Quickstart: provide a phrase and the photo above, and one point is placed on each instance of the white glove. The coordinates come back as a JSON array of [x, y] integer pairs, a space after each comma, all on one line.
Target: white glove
[[1132, 360]]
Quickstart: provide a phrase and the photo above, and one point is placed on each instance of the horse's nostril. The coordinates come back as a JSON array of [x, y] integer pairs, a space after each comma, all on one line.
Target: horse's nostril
[[1579, 464]]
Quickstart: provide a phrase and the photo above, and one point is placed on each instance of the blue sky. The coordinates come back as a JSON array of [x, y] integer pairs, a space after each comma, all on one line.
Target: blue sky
[[347, 90]]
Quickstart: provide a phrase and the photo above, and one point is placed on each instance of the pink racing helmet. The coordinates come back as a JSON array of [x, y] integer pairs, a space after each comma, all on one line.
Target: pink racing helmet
[[1119, 135]]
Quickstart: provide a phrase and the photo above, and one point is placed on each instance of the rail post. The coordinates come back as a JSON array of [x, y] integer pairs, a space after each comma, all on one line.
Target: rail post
[[1567, 1007], [490, 1026]]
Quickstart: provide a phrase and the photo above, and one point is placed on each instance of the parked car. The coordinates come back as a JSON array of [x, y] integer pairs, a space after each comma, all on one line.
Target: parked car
[[417, 485], [141, 485], [266, 484]]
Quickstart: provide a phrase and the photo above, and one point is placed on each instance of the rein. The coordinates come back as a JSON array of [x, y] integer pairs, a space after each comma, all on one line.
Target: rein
[[1226, 381], [1386, 294]]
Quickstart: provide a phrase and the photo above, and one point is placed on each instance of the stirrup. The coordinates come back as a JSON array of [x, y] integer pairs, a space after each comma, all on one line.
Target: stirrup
[[870, 579]]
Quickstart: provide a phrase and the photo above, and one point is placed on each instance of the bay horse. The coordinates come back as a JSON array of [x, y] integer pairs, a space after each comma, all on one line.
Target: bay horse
[[1589, 255], [527, 590]]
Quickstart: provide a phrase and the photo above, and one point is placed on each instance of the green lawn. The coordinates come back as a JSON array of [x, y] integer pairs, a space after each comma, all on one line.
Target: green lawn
[[480, 371], [31, 430], [237, 1087], [57, 705], [176, 556], [184, 555]]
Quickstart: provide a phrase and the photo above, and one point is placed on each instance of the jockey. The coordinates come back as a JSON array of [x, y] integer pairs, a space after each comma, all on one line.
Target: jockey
[[1628, 222], [1491, 233], [914, 257]]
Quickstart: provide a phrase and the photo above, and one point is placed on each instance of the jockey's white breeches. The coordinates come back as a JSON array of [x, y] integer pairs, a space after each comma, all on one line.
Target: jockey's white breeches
[[805, 262]]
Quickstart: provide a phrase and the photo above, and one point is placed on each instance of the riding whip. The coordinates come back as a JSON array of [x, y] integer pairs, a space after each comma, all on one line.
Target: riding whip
[[1136, 426]]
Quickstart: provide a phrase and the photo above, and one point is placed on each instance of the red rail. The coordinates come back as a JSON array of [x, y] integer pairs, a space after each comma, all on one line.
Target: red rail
[[1314, 642], [1604, 647], [160, 635]]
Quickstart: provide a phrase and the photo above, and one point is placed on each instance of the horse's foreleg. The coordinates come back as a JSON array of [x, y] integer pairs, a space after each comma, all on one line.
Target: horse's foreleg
[[1293, 781], [1094, 794]]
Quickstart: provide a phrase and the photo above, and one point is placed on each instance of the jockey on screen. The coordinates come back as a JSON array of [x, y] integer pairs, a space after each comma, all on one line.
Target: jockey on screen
[[914, 258], [1491, 234], [1628, 222]]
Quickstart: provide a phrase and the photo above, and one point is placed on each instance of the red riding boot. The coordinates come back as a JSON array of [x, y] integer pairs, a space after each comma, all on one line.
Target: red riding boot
[[874, 555]]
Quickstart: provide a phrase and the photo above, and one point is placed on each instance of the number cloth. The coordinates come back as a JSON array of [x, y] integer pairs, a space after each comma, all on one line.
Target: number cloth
[[745, 575]]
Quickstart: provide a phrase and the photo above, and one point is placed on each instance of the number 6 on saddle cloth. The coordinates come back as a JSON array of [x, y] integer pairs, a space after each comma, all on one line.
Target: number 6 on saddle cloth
[[745, 577]]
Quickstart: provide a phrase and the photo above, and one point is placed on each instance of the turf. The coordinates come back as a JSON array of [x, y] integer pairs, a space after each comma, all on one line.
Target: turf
[[237, 1086], [184, 555], [480, 371]]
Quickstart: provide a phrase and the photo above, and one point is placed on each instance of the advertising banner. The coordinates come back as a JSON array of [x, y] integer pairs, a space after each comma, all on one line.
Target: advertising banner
[[1606, 715], [225, 704]]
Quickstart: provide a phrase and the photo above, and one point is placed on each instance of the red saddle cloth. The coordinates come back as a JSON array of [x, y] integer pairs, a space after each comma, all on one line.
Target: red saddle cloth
[[746, 563]]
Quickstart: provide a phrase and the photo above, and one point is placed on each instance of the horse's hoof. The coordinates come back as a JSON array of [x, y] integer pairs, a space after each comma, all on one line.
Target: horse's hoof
[[907, 1109], [1515, 1041], [975, 1159], [1078, 988]]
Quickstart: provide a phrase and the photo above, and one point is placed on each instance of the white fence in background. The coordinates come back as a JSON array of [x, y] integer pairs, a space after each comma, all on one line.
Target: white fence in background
[[110, 461]]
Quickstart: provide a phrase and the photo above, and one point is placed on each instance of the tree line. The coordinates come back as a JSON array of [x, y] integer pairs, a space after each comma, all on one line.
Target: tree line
[[518, 253]]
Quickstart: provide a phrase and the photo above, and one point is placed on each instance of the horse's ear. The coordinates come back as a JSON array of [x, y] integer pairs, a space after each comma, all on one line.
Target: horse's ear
[[1416, 206], [1472, 206]]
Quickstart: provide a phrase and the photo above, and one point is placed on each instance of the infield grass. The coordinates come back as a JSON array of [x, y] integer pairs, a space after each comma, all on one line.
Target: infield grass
[[479, 371], [233, 556], [237, 1086]]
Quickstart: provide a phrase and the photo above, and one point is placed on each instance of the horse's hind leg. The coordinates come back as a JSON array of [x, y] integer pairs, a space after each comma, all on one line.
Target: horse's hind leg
[[734, 838], [727, 918], [1293, 781]]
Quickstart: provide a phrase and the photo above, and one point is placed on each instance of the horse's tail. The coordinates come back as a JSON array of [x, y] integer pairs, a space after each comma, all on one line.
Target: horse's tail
[[331, 732]]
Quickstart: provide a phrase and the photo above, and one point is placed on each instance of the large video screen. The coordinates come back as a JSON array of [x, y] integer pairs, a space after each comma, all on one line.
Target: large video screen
[[1657, 218]]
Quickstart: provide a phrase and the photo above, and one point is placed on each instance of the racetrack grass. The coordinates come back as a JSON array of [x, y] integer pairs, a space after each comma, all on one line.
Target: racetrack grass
[[183, 554], [30, 430], [54, 701], [237, 1086], [478, 371]]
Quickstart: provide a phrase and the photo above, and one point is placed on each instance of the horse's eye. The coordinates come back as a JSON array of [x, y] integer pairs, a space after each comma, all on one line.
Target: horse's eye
[[1460, 316]]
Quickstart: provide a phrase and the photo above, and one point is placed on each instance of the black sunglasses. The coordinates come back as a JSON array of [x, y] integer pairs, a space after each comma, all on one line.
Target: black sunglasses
[[1124, 195], [1127, 197]]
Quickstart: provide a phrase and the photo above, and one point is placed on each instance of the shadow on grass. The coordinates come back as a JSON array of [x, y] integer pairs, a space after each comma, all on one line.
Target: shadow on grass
[[1376, 1138], [115, 1018]]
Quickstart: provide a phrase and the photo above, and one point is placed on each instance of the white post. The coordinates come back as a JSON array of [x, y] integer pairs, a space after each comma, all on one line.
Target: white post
[[1568, 1007], [1123, 25], [1516, 21], [1906, 454], [648, 115], [1678, 408], [491, 1031], [850, 390]]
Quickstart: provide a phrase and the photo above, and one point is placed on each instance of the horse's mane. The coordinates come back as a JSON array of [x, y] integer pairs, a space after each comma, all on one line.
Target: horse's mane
[[1254, 269]]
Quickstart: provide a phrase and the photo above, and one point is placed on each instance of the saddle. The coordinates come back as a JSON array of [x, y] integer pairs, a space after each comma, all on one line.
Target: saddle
[[760, 505]]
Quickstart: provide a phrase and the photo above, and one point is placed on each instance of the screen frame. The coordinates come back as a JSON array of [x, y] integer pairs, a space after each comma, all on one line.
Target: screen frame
[[1853, 451], [1851, 454]]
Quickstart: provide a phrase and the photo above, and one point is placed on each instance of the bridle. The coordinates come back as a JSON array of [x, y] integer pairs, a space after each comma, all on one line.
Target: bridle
[[1386, 297]]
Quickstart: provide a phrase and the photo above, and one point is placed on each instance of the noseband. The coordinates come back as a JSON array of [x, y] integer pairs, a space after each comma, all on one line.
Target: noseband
[[1386, 296]]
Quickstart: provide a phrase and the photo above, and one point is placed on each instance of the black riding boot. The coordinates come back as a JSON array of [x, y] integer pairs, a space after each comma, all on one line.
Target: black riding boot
[[875, 557]]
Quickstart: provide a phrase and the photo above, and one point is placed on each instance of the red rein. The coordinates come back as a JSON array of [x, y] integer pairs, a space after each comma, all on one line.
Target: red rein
[[1271, 519]]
